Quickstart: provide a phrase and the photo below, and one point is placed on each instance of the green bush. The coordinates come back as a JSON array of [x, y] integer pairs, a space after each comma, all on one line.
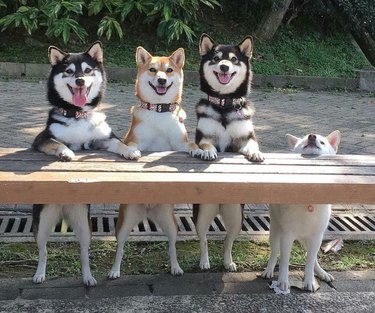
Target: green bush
[[174, 19]]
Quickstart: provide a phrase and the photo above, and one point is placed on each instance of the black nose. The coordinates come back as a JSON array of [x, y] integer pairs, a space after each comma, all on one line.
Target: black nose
[[80, 82], [311, 138], [162, 81], [224, 68]]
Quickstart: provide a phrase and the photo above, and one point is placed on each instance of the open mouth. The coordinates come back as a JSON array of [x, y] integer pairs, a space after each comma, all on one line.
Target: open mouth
[[161, 89], [224, 78], [80, 95]]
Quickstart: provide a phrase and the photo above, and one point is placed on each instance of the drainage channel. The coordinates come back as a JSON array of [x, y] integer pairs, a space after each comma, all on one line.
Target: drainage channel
[[347, 226]]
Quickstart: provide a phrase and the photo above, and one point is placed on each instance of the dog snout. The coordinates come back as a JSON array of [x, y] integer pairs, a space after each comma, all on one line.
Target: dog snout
[[311, 138], [224, 68], [162, 81], [80, 82]]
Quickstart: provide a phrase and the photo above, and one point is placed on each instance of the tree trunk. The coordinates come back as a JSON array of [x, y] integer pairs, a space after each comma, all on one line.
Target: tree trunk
[[272, 20]]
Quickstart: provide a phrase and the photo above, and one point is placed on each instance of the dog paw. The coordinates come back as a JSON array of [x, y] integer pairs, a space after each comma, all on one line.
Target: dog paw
[[267, 273], [283, 285], [66, 155], [196, 153], [255, 156], [231, 267], [89, 281], [131, 153], [176, 270], [209, 155], [204, 265], [311, 285], [39, 278], [324, 276], [113, 274]]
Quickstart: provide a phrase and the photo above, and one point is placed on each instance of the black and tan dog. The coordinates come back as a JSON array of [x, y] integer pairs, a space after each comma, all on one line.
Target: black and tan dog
[[75, 88], [224, 124]]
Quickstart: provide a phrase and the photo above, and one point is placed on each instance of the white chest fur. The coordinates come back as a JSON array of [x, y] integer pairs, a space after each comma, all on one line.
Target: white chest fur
[[77, 132]]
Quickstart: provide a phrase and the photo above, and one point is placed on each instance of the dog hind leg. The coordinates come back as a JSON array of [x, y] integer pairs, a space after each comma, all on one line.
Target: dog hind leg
[[78, 216], [129, 216], [163, 215], [232, 216], [45, 217], [286, 243]]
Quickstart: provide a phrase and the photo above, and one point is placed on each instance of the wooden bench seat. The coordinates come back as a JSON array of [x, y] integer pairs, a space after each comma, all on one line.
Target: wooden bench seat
[[27, 176]]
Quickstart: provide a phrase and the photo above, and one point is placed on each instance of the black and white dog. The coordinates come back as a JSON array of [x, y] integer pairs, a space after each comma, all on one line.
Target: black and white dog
[[75, 88], [224, 124]]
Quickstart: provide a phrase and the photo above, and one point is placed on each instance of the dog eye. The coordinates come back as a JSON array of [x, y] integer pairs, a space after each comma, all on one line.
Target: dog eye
[[169, 70], [234, 59], [152, 69], [216, 58], [88, 70], [322, 143], [69, 71]]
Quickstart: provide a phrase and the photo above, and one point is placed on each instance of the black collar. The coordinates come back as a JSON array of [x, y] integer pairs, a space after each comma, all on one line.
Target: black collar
[[71, 113], [236, 103], [159, 107]]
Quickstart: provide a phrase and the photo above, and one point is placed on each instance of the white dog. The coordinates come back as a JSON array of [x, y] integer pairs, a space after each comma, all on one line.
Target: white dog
[[305, 223]]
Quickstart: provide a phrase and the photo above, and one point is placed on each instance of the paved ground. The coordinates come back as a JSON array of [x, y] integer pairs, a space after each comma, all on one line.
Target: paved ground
[[23, 110]]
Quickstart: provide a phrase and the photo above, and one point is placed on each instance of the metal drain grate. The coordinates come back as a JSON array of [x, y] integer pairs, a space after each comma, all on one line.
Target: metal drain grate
[[255, 226]]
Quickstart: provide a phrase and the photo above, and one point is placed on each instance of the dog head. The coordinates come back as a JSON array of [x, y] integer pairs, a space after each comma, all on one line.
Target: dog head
[[159, 79], [76, 79], [314, 144], [225, 69]]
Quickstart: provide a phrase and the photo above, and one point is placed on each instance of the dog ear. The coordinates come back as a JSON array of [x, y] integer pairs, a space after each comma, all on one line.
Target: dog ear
[[246, 46], [205, 44], [178, 57], [292, 141], [142, 56], [334, 139], [55, 55], [96, 51]]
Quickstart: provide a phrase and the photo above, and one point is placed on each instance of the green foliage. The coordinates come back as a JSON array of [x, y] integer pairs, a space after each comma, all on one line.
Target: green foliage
[[172, 19]]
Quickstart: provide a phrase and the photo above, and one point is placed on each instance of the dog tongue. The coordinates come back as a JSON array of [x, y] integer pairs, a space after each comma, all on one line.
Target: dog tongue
[[224, 78], [161, 89], [79, 96]]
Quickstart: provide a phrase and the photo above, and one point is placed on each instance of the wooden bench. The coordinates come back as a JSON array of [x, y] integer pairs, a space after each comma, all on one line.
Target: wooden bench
[[28, 176]]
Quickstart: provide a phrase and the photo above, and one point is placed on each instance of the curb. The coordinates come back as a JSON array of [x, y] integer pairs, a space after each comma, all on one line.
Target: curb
[[365, 80]]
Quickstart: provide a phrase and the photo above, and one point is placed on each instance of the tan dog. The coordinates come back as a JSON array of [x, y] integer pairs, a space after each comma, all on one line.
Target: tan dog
[[157, 125]]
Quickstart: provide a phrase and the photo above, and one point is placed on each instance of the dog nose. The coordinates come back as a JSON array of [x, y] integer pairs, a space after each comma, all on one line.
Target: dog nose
[[311, 138], [80, 82], [162, 81], [224, 68]]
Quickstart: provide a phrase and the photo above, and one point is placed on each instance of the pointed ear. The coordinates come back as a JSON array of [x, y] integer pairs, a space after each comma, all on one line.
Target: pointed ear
[[96, 51], [55, 55], [205, 44], [246, 46], [142, 56], [178, 57], [292, 140], [334, 139]]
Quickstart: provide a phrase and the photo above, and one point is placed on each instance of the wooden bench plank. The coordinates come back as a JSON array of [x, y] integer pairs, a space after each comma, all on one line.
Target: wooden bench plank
[[27, 176]]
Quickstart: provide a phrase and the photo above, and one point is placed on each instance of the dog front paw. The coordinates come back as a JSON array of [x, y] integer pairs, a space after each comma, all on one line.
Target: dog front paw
[[66, 155], [205, 265], [131, 153], [231, 267], [196, 153], [324, 276], [113, 274], [176, 270], [255, 156], [209, 155], [311, 285]]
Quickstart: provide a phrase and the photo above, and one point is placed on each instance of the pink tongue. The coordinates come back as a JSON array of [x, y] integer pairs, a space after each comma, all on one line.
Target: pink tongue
[[161, 90], [79, 96], [224, 78]]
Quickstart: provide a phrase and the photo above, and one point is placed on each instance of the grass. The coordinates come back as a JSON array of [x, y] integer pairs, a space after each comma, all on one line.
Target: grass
[[294, 50], [20, 259]]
